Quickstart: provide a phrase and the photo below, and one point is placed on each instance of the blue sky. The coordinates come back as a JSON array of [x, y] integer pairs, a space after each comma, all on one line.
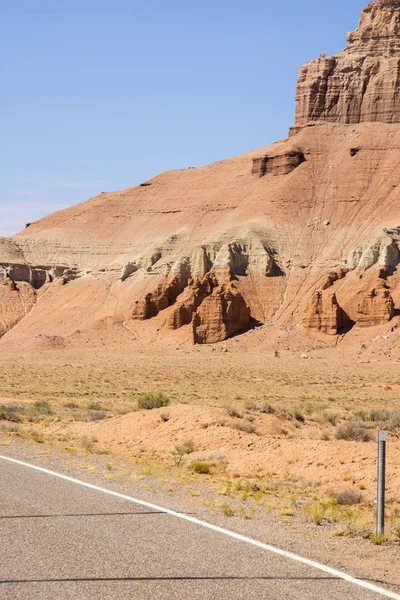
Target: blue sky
[[99, 95]]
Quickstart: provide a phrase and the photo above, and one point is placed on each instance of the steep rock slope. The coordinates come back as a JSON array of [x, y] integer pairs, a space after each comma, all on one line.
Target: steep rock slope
[[360, 84], [303, 234]]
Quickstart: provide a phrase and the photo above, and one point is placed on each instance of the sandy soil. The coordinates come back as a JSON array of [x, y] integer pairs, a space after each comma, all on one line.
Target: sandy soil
[[269, 423]]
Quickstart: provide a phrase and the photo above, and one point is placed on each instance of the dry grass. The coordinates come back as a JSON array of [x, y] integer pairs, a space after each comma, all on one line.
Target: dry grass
[[58, 399]]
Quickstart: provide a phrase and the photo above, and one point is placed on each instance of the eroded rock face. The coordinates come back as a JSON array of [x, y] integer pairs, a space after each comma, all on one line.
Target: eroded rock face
[[220, 316], [213, 306], [188, 303], [36, 276], [323, 314], [16, 301], [154, 302], [382, 250], [281, 164], [360, 84], [376, 307]]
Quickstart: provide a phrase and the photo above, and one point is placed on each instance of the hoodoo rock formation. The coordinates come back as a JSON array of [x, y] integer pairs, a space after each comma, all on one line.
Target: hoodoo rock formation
[[323, 313], [300, 238]]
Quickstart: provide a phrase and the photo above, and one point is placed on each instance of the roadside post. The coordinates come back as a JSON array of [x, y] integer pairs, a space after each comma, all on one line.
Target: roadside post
[[380, 500]]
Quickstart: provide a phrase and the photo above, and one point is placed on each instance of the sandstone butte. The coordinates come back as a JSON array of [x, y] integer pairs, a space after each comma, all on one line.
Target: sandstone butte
[[302, 236]]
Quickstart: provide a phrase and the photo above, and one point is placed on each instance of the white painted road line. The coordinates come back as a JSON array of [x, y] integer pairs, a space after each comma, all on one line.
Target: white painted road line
[[236, 536]]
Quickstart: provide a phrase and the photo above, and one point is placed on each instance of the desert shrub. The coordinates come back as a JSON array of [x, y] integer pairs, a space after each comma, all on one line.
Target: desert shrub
[[10, 428], [37, 436], [201, 466], [247, 427], [87, 444], [71, 405], [251, 406], [152, 400], [393, 422], [388, 419], [227, 509], [298, 415], [348, 497], [316, 513], [11, 412], [94, 406], [42, 407], [234, 413], [354, 430], [331, 417], [379, 414], [97, 415], [187, 447], [268, 409], [165, 417], [181, 450], [355, 529], [396, 530], [363, 415], [379, 539]]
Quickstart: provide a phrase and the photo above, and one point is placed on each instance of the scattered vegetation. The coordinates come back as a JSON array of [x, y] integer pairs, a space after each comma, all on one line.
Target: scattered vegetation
[[354, 430], [378, 539], [11, 412], [97, 415], [348, 498], [42, 407], [95, 406], [37, 436], [181, 450], [71, 405], [234, 413], [200, 466], [247, 427], [152, 400]]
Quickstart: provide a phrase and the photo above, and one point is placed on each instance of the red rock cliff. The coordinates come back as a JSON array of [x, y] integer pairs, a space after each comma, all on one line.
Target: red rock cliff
[[360, 84]]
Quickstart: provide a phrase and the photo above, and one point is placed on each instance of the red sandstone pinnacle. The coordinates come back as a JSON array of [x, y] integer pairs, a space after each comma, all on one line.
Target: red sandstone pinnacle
[[221, 315], [159, 300], [376, 308], [215, 308], [323, 313]]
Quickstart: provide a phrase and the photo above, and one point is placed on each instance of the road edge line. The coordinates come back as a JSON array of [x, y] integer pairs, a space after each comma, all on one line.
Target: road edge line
[[284, 553]]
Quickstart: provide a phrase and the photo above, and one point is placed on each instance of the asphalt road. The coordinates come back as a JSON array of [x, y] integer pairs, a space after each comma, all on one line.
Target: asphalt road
[[59, 540]]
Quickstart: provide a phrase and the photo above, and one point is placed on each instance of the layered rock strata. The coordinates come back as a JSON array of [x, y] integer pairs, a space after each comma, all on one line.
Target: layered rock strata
[[16, 301], [376, 307], [305, 231], [212, 306], [281, 164], [221, 315], [323, 314], [360, 84]]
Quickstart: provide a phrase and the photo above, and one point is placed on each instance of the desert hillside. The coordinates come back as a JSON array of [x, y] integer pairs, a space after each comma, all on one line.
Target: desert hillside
[[241, 319], [301, 236]]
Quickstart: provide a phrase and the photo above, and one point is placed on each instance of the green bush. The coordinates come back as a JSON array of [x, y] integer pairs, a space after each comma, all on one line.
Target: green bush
[[201, 466], [153, 400]]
